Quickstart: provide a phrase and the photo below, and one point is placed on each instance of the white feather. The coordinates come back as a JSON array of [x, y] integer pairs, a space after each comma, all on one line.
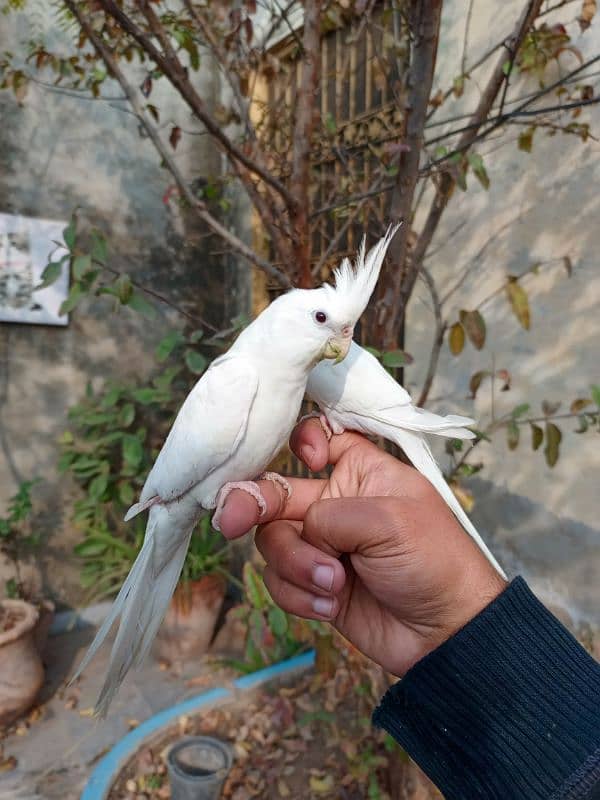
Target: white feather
[[230, 427], [359, 394]]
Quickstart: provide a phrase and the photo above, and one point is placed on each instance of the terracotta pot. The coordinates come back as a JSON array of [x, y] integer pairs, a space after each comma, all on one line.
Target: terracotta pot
[[21, 670], [189, 623]]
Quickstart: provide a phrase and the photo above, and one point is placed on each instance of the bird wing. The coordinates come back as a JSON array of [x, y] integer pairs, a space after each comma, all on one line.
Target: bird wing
[[361, 387], [358, 385], [207, 431]]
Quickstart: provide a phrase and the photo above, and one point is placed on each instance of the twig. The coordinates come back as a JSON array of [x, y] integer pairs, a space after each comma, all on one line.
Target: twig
[[438, 341], [463, 61], [447, 181], [177, 75], [237, 244], [425, 24], [302, 139], [476, 260], [192, 317]]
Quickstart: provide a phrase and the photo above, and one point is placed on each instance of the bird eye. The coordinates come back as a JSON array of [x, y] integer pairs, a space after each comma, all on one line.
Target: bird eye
[[321, 317]]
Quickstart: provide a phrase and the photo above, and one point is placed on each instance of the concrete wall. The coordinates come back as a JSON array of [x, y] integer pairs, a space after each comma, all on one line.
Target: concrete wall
[[59, 151], [543, 521]]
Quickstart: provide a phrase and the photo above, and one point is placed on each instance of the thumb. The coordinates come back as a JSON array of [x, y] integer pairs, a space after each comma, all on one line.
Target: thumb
[[354, 525]]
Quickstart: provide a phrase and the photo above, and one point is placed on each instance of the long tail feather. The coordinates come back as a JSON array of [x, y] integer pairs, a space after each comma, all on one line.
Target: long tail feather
[[419, 420], [419, 453], [143, 600]]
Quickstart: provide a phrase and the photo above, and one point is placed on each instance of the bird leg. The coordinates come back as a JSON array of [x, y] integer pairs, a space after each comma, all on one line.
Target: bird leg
[[274, 477], [249, 487]]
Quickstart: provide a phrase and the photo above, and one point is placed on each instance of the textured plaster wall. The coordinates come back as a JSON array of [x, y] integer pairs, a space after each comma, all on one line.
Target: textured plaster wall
[[57, 152], [544, 521]]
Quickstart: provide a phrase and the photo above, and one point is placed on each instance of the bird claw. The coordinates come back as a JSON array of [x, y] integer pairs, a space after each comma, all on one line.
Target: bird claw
[[322, 421], [275, 477], [250, 487]]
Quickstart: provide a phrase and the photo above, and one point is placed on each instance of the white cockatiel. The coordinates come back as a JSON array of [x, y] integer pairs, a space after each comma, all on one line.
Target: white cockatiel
[[230, 427], [360, 395]]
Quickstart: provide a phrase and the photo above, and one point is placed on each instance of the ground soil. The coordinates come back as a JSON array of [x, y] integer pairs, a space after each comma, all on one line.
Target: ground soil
[[307, 740]]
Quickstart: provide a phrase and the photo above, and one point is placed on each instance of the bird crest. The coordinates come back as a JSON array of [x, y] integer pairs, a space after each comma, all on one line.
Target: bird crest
[[354, 283]]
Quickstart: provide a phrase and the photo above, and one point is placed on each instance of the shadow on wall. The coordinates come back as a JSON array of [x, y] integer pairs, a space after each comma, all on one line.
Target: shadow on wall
[[558, 556]]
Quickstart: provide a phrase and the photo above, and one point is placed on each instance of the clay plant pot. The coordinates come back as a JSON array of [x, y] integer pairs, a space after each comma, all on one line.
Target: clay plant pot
[[21, 670], [189, 624]]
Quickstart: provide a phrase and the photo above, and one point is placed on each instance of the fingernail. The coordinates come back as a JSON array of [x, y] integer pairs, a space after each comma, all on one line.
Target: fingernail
[[306, 454], [322, 576], [322, 606]]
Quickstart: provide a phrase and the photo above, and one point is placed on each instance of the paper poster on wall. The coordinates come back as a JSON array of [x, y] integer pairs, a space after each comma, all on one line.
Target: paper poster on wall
[[26, 244]]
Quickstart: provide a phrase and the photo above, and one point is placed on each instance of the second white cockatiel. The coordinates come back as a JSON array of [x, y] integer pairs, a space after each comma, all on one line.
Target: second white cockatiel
[[360, 395], [230, 427]]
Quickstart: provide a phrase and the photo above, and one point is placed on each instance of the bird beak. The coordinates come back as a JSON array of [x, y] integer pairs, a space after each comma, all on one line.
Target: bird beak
[[337, 347]]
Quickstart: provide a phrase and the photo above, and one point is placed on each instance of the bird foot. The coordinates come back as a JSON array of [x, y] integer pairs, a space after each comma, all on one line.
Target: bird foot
[[275, 477], [322, 420], [249, 487]]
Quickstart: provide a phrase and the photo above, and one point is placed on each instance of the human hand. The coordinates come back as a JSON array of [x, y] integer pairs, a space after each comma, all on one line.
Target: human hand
[[373, 549]]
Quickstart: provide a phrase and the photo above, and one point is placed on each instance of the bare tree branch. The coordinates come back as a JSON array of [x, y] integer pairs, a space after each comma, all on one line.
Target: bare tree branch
[[177, 75], [438, 339], [425, 25], [134, 99], [302, 139], [447, 181]]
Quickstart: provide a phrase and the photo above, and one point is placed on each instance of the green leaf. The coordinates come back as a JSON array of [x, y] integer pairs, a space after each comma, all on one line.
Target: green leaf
[[456, 338], [396, 358], [90, 547], [519, 302], [512, 435], [73, 298], [537, 436], [474, 325], [138, 302], [196, 336], [125, 493], [98, 486], [50, 275], [507, 67], [519, 410], [278, 621], [81, 264], [145, 396], [553, 439], [70, 232], [195, 361], [330, 125], [479, 170], [126, 415], [583, 424], [133, 451], [168, 344], [123, 289], [374, 351], [595, 389], [99, 247]]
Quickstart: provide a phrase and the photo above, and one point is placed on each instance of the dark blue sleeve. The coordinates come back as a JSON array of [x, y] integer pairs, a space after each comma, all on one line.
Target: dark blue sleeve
[[507, 709]]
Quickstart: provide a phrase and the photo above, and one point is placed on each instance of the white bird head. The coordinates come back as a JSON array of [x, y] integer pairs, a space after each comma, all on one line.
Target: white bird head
[[313, 324]]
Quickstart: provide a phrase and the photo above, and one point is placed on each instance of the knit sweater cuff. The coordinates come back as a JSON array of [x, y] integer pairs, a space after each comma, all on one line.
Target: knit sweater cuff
[[508, 707]]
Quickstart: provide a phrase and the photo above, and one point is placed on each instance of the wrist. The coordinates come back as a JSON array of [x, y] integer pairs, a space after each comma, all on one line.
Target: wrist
[[463, 603]]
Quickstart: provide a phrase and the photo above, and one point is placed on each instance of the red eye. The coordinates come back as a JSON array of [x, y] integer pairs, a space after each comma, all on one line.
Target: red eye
[[321, 317]]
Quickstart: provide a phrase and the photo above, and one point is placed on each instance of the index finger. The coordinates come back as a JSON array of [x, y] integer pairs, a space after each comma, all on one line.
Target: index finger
[[309, 443], [241, 512]]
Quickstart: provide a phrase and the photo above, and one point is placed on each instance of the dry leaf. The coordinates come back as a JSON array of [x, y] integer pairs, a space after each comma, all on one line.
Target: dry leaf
[[587, 14], [519, 302], [456, 338]]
